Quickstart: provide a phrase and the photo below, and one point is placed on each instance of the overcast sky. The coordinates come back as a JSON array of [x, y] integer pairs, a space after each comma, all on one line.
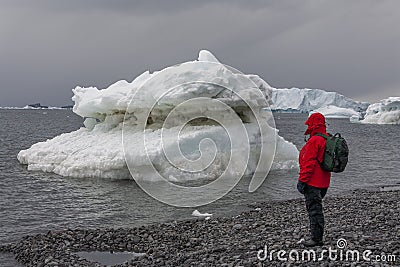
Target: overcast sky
[[49, 47]]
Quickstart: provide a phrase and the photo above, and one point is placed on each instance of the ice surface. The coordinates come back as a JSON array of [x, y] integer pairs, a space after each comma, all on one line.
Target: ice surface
[[96, 150], [355, 119], [199, 214], [336, 112], [306, 100], [387, 111]]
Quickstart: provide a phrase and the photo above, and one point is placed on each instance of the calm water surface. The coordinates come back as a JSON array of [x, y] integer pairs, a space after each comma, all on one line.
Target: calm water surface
[[35, 202]]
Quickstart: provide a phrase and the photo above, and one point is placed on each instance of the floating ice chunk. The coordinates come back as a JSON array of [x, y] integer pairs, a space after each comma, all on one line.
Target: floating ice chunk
[[96, 150], [197, 213], [387, 111]]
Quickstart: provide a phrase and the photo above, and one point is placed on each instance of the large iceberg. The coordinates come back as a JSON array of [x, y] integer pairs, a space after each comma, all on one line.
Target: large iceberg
[[110, 145], [387, 111], [307, 100]]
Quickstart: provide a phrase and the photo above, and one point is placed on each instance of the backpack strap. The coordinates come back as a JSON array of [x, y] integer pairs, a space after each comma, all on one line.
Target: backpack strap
[[326, 137], [322, 135]]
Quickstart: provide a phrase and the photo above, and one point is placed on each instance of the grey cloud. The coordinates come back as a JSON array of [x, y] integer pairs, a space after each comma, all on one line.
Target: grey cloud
[[133, 7], [49, 47]]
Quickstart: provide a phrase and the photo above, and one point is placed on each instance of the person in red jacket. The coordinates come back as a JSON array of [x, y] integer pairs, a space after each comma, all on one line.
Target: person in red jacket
[[313, 181]]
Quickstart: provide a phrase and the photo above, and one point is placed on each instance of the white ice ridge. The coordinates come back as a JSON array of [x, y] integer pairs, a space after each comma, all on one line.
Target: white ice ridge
[[334, 112], [96, 150], [387, 111], [307, 100]]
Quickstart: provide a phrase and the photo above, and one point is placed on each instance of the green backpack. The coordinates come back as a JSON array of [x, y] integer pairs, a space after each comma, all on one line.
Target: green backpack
[[336, 153]]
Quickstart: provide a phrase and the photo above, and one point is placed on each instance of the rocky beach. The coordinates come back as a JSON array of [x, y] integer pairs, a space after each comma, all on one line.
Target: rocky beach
[[362, 220]]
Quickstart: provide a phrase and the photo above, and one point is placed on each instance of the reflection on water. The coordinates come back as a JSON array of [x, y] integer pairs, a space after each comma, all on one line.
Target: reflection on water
[[109, 258]]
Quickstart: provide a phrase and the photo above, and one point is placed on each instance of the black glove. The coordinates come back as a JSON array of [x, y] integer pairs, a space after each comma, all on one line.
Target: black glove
[[301, 187]]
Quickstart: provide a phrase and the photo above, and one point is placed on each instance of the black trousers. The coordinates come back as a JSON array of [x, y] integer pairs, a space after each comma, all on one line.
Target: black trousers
[[314, 196]]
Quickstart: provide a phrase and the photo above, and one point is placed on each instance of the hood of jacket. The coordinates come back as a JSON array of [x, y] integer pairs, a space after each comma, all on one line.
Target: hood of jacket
[[316, 124]]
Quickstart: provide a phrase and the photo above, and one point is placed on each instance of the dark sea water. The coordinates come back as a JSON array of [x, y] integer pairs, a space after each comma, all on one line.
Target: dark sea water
[[35, 202]]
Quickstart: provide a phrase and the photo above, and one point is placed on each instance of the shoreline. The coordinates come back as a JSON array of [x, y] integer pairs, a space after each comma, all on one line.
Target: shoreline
[[367, 220]]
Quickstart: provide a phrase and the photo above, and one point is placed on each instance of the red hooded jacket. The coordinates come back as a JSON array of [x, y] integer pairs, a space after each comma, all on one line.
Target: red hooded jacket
[[313, 152]]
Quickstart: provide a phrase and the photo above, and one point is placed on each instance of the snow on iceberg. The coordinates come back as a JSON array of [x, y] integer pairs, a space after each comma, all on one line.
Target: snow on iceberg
[[334, 112], [387, 111], [114, 113], [306, 100]]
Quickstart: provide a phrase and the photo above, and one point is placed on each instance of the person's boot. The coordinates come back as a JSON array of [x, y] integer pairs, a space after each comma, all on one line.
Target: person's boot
[[311, 243]]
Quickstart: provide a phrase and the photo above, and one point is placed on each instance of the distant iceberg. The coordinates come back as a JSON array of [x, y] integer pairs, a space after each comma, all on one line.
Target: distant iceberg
[[387, 111], [334, 112], [37, 107], [307, 100], [96, 150]]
